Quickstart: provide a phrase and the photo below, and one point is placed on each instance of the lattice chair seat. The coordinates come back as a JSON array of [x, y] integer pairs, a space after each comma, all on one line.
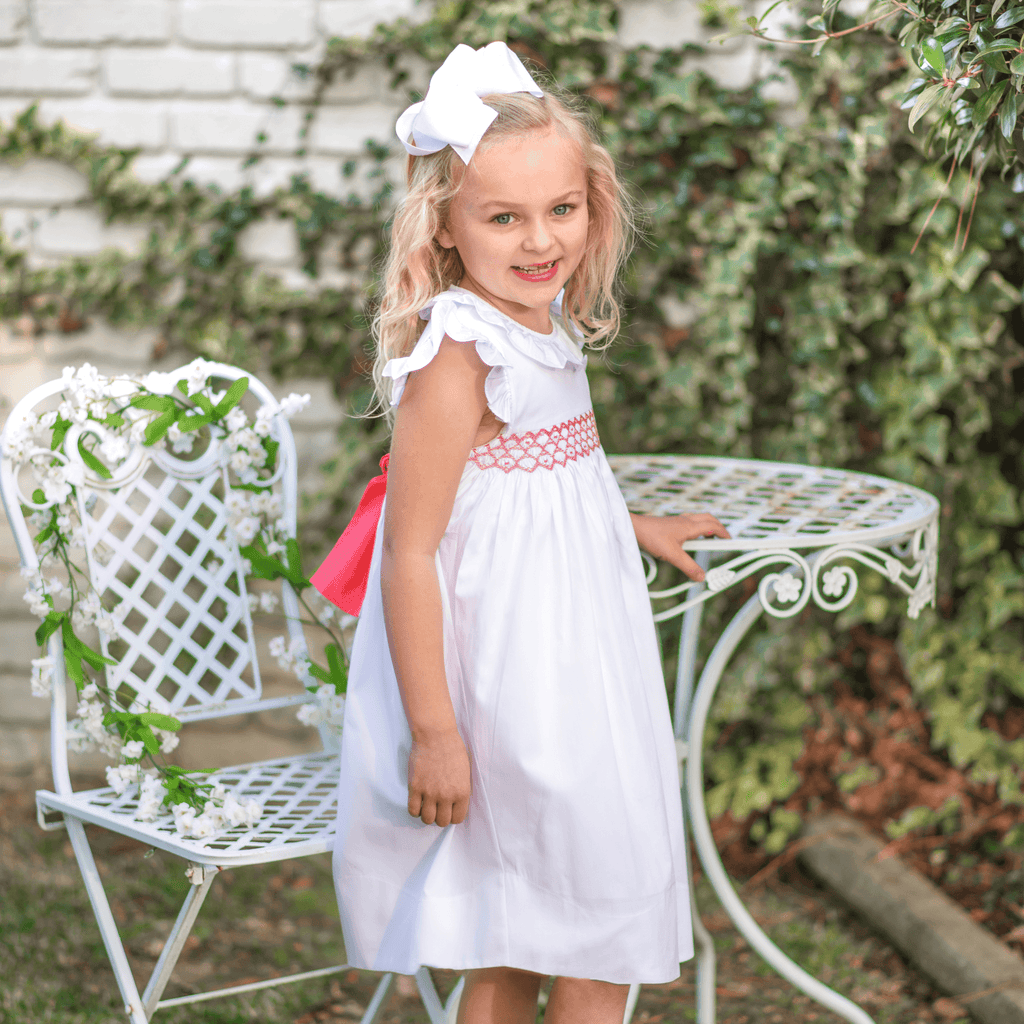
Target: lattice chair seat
[[299, 797]]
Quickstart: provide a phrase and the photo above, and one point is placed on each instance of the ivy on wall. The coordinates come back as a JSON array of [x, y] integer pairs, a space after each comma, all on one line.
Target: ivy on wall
[[775, 311]]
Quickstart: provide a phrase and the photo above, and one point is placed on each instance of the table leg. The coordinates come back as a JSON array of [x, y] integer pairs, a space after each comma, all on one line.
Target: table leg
[[705, 844]]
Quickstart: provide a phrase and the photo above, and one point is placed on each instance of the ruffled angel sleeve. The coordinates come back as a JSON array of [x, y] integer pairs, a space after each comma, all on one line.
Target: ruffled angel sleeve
[[460, 322]]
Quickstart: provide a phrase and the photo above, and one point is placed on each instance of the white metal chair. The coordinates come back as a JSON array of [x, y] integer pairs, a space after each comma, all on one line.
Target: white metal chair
[[190, 652]]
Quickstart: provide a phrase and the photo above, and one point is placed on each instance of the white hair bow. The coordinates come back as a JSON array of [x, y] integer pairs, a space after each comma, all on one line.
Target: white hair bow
[[452, 113]]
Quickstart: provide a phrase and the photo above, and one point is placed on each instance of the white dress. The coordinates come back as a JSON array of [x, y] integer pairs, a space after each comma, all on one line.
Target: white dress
[[570, 860]]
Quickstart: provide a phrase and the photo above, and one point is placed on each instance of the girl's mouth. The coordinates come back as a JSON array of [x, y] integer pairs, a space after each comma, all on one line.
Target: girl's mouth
[[538, 271]]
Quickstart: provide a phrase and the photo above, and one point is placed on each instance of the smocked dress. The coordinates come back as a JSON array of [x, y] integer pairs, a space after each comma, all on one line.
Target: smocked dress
[[570, 860]]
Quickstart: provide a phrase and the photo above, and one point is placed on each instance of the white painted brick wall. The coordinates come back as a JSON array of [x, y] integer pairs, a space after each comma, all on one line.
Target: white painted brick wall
[[41, 183], [13, 20], [138, 72], [35, 71], [273, 24], [74, 22]]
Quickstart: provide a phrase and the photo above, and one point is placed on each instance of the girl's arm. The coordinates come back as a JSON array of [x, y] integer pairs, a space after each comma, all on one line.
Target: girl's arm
[[435, 427]]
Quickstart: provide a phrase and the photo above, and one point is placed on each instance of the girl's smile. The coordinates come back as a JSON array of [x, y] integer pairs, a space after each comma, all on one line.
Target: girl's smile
[[520, 224]]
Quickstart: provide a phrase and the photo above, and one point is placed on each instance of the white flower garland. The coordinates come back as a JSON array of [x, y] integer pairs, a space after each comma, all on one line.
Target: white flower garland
[[124, 412]]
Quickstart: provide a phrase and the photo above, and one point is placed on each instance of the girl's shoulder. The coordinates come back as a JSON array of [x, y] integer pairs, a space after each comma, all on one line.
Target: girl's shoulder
[[465, 316]]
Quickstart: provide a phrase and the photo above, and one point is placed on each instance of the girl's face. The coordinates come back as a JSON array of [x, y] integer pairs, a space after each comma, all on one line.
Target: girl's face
[[520, 223]]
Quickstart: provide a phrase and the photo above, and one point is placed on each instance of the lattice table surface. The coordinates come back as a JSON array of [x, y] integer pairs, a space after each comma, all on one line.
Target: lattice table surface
[[773, 504]]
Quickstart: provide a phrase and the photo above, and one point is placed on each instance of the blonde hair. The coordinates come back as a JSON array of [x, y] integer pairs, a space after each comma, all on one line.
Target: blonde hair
[[418, 267]]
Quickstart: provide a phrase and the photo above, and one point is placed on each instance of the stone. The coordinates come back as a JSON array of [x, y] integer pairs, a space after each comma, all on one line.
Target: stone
[[270, 24], [13, 20], [263, 75], [102, 21], [40, 72], [345, 130], [932, 930], [169, 72], [81, 231], [16, 226], [359, 17], [117, 122], [41, 183], [269, 241], [234, 127]]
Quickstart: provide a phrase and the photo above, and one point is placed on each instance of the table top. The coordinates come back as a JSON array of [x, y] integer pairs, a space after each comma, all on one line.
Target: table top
[[773, 504]]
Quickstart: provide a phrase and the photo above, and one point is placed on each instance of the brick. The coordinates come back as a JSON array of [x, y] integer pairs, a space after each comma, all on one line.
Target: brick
[[735, 70], [37, 72], [660, 24], [270, 24], [150, 167], [102, 21], [108, 349], [360, 17], [346, 129], [40, 183], [80, 232], [16, 227], [262, 75], [269, 241], [116, 122], [233, 128], [324, 174], [13, 20], [169, 72]]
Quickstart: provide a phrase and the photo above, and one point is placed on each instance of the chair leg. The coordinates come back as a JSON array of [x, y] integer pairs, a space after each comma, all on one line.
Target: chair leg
[[431, 1000], [631, 1001], [379, 1000], [105, 920], [179, 933]]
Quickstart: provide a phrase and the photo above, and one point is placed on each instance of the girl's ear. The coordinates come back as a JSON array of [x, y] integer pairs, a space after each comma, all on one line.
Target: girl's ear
[[444, 237]]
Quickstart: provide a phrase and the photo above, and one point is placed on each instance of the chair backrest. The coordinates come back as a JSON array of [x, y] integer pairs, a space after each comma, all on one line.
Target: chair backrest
[[159, 550]]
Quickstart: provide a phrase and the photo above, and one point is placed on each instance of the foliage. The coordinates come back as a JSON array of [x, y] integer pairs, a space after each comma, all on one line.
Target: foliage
[[99, 429], [778, 310], [972, 58]]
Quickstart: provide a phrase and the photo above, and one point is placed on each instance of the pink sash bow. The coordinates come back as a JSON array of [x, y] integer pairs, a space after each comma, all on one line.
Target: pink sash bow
[[345, 571]]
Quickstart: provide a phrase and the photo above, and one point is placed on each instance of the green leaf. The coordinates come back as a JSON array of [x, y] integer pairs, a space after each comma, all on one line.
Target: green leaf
[[1008, 115], [233, 396], [194, 422], [932, 50], [92, 462], [49, 626], [1010, 17], [159, 427], [60, 429], [986, 106], [153, 403], [113, 420], [160, 721], [924, 102], [1017, 64]]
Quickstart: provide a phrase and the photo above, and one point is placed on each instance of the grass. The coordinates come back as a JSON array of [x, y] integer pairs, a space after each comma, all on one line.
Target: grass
[[282, 918]]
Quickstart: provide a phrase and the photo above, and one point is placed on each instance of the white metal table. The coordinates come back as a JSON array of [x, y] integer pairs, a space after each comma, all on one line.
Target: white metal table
[[809, 526]]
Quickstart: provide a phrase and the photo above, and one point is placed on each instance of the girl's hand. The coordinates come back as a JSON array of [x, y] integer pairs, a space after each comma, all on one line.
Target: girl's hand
[[439, 782], [663, 537]]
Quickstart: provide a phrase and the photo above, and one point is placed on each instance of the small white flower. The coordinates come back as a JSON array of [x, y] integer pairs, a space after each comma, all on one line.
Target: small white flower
[[91, 692], [279, 649], [181, 441], [80, 740], [159, 383], [266, 503], [195, 375], [120, 777], [268, 601], [326, 615], [214, 566], [236, 420], [184, 816], [253, 811], [133, 750], [203, 825], [294, 404], [64, 523], [168, 739], [787, 588], [254, 602], [233, 811], [42, 676], [247, 529], [240, 461]]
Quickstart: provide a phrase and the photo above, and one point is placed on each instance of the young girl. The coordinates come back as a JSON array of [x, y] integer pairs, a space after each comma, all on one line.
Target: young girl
[[509, 802]]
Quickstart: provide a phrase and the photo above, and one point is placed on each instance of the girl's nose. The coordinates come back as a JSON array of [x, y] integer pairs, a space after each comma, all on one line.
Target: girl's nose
[[538, 237]]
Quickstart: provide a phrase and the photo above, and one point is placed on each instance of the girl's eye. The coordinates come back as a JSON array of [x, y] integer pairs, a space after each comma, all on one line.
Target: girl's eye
[[499, 219], [562, 209]]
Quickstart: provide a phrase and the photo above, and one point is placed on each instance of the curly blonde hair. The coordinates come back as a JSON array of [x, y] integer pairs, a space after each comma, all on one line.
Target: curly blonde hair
[[418, 267]]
